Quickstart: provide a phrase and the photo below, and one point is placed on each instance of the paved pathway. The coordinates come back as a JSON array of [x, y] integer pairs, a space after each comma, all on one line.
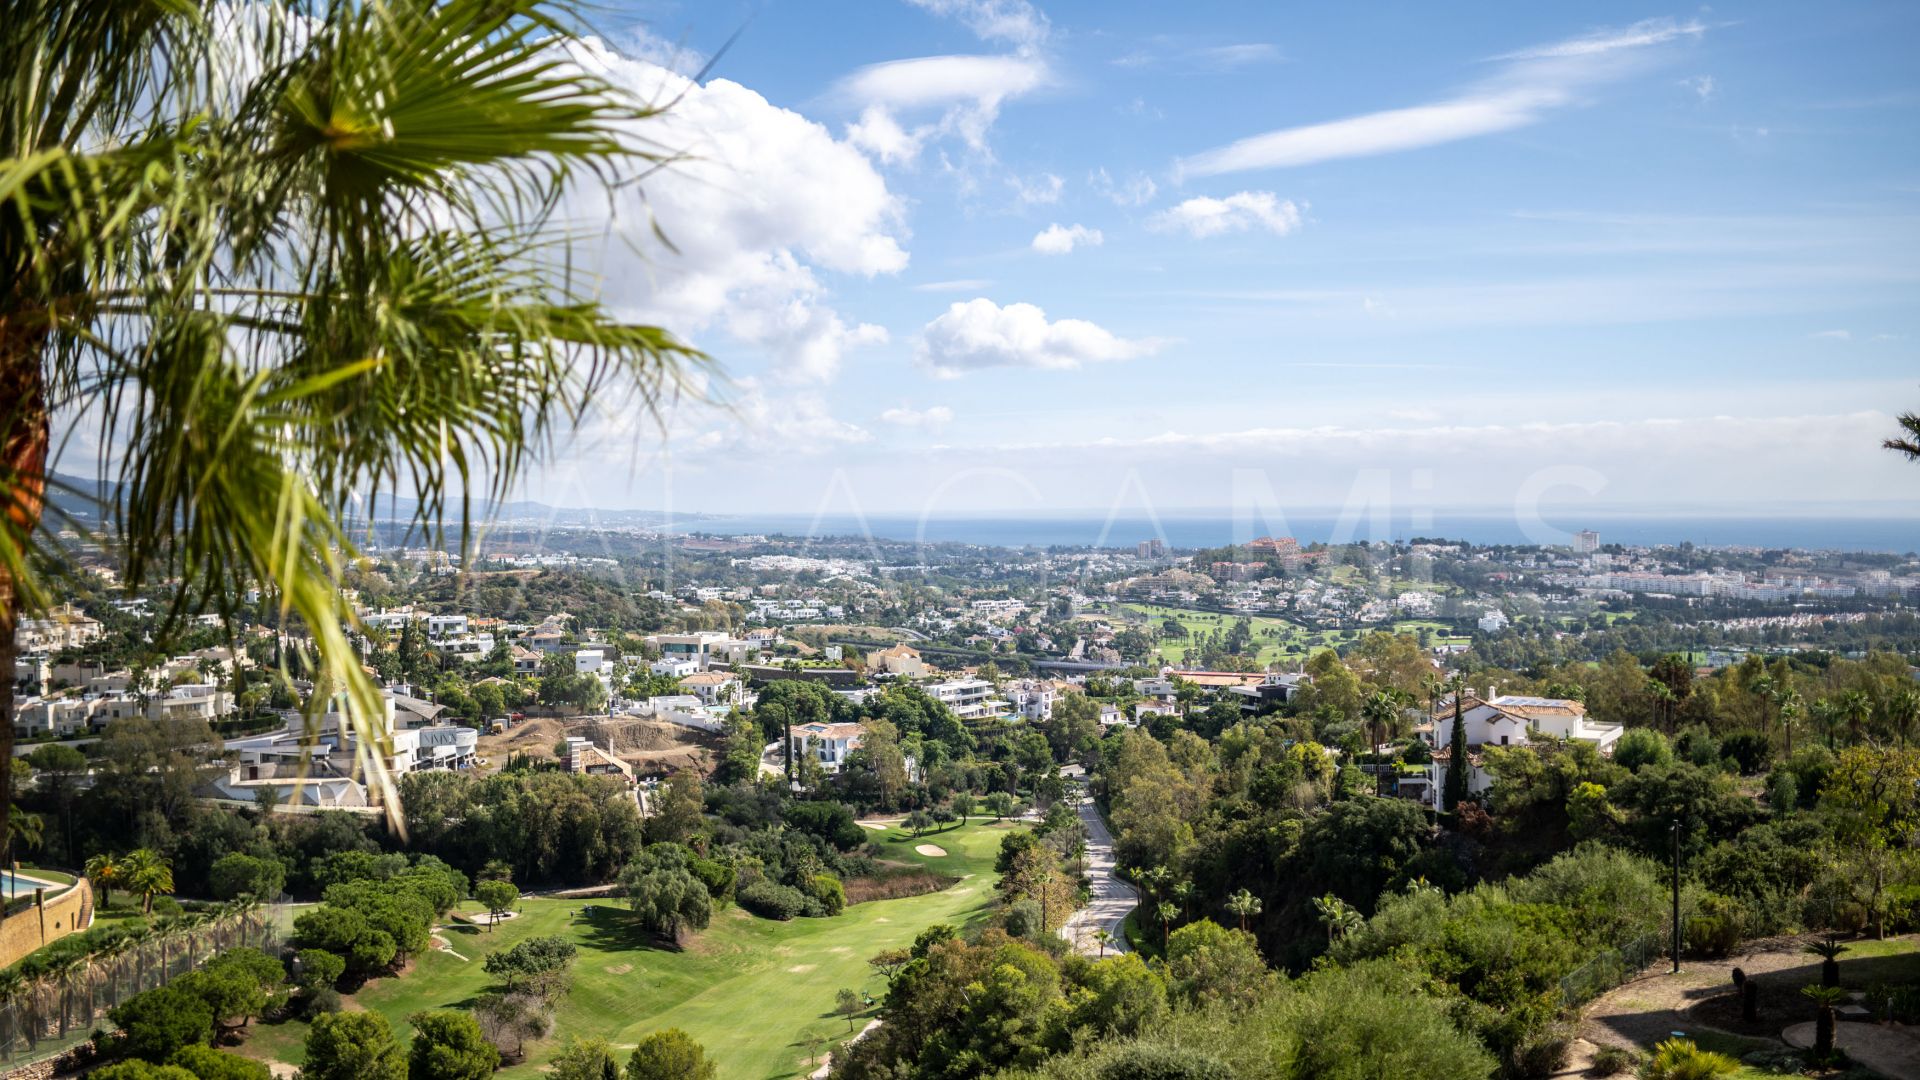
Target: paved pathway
[[1112, 897]]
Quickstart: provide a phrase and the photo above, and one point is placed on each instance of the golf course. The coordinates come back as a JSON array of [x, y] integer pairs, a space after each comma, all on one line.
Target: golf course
[[757, 993]]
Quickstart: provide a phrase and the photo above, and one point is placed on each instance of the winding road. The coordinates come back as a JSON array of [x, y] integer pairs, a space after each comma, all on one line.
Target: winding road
[[1112, 897]]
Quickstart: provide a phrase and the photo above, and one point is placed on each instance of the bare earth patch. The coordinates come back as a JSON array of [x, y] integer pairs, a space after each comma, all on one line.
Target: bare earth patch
[[801, 969], [930, 850], [617, 969]]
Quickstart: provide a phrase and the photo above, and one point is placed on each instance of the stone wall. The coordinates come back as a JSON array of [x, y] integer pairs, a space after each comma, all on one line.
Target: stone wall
[[53, 916]]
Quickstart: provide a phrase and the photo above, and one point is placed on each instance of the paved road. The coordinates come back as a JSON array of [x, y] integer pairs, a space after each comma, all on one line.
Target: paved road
[[1112, 897]]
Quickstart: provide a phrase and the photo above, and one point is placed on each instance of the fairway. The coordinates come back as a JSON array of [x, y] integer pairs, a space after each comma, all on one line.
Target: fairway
[[753, 991], [1276, 639]]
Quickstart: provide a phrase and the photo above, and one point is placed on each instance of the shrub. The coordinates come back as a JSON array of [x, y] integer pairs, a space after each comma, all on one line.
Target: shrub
[[209, 1064], [1163, 1063], [320, 1002], [771, 900], [669, 1055], [831, 895], [1718, 928], [1680, 1059], [1612, 1060], [1023, 919]]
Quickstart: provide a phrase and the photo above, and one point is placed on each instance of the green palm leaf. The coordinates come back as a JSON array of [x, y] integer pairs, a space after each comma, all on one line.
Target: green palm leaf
[[290, 263]]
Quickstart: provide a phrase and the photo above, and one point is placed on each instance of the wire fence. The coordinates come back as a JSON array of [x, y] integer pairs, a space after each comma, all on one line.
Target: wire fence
[[1607, 969], [47, 1015]]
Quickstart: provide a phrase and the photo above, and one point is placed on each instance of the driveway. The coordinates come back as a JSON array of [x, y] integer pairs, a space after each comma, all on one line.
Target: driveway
[[1112, 897]]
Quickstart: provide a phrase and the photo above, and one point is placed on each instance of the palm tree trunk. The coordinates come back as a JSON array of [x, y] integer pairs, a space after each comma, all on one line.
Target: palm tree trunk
[[23, 466]]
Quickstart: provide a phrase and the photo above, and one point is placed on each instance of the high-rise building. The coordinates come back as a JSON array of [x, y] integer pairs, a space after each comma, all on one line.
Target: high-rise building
[[1586, 542], [1150, 549]]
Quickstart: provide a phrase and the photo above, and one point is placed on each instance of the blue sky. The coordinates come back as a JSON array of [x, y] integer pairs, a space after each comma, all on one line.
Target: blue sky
[[959, 255]]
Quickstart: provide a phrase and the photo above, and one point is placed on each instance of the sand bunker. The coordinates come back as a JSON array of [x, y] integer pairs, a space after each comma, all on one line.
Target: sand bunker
[[801, 969], [932, 850]]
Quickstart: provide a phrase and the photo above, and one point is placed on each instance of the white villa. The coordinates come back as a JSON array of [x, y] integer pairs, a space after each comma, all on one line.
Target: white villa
[[322, 768], [829, 744], [1508, 720]]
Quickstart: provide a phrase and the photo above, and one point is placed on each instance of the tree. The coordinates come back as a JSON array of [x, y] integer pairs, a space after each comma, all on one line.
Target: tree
[[961, 804], [448, 1045], [257, 268], [1000, 805], [352, 1046], [918, 822], [1908, 442], [105, 870], [669, 1055], [1825, 997], [58, 769], [584, 1059], [498, 897], [156, 1023], [1455, 789], [1829, 953], [667, 899], [319, 969], [238, 874], [1243, 904], [848, 1004], [681, 811], [146, 873], [537, 965], [509, 1020]]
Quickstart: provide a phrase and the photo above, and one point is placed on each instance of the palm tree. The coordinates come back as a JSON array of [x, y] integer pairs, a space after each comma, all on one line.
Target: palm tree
[[1183, 892], [13, 987], [1829, 953], [146, 873], [283, 267], [1166, 911], [1339, 917], [1826, 717], [1243, 904], [104, 870], [1380, 711], [1826, 997], [1791, 707], [1103, 935], [1909, 441], [1856, 708]]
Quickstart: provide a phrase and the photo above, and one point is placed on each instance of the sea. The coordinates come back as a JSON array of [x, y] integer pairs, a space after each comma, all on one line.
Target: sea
[[1899, 535]]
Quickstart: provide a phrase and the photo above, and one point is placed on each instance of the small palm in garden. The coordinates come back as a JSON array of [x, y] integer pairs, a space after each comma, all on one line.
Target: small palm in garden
[[1681, 1059]]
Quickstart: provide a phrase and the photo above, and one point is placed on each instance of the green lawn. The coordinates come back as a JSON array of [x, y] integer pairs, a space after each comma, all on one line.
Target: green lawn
[[1277, 639], [753, 991]]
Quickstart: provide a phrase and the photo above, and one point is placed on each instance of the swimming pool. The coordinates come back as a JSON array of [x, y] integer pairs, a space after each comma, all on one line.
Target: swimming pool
[[12, 885]]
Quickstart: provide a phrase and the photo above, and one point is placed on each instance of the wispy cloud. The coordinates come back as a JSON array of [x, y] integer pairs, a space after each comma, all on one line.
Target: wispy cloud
[[1531, 83], [1832, 335], [1058, 239], [1703, 86], [955, 285], [1241, 55]]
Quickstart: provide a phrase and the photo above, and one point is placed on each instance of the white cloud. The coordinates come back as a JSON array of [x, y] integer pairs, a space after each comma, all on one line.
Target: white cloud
[[761, 202], [979, 333], [1832, 335], [786, 423], [1702, 85], [1531, 83], [966, 92], [931, 418], [1057, 239], [1137, 190], [1015, 22], [1044, 190], [1205, 216]]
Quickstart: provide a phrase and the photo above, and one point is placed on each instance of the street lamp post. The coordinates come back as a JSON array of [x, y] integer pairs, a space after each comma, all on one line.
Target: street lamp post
[[1676, 896]]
